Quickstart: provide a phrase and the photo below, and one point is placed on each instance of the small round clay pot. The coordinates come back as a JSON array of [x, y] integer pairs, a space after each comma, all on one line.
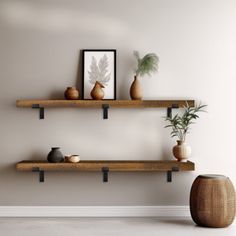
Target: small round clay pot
[[136, 92], [181, 151], [97, 92], [71, 93]]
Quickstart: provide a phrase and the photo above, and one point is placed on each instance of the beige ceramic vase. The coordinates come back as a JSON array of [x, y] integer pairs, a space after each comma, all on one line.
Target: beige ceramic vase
[[136, 92], [71, 93], [97, 92], [181, 151]]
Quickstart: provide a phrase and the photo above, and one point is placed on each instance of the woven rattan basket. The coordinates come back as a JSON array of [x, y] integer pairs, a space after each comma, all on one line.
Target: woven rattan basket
[[212, 201]]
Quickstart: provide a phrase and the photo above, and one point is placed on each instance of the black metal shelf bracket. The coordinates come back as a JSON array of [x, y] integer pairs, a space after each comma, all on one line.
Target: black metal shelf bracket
[[105, 108], [41, 110], [105, 171], [169, 173], [41, 173], [169, 110]]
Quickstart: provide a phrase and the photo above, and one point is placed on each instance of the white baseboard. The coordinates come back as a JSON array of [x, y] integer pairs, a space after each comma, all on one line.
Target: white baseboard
[[95, 211]]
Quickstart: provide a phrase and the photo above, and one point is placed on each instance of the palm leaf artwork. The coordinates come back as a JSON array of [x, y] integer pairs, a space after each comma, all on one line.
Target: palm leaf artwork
[[99, 71], [180, 124], [146, 65]]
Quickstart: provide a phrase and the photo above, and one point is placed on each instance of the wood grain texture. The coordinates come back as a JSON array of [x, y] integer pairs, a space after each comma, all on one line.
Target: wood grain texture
[[212, 202], [97, 165], [99, 103]]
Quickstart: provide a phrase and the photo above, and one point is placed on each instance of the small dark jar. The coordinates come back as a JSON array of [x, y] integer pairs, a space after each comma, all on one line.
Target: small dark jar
[[55, 155]]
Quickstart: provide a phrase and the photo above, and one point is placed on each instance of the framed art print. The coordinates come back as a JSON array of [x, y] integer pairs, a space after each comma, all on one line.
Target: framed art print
[[99, 72]]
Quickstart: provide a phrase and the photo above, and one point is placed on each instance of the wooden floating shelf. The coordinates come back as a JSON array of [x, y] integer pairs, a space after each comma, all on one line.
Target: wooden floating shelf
[[104, 104], [99, 103], [106, 166], [112, 165]]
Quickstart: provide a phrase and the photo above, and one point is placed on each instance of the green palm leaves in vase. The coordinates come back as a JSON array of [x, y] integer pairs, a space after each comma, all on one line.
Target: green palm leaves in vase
[[180, 125], [146, 65]]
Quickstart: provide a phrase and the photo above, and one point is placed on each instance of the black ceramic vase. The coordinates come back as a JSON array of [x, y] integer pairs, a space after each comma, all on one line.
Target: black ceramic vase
[[55, 155]]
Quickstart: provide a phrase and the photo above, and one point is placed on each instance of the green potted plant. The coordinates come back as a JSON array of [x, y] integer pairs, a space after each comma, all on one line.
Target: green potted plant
[[180, 125], [145, 66]]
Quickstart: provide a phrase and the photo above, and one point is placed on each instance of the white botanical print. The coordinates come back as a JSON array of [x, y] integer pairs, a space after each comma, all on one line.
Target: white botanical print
[[99, 66], [99, 71]]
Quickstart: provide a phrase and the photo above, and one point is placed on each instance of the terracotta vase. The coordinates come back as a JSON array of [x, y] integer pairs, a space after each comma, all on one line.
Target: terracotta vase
[[181, 151], [136, 92], [71, 93], [97, 92]]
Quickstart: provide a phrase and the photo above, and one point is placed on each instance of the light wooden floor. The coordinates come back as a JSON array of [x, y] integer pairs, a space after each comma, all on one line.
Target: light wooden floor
[[106, 226]]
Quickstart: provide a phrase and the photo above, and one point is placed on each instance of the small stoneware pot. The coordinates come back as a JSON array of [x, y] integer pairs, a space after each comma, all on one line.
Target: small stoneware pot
[[55, 155], [97, 92], [181, 151], [136, 92], [72, 158], [71, 93]]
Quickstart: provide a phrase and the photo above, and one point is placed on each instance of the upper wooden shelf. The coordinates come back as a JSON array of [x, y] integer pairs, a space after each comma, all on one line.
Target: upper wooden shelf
[[104, 104], [106, 166], [99, 103]]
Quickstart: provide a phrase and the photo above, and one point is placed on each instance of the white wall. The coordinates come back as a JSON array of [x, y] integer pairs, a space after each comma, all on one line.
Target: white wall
[[40, 43]]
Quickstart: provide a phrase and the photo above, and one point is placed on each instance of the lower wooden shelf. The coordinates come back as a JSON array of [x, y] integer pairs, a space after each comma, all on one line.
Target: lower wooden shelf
[[107, 165], [96, 165]]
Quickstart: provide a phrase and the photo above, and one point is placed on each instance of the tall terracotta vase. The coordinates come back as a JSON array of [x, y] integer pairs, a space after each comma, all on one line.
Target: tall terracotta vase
[[136, 92], [181, 151], [97, 92]]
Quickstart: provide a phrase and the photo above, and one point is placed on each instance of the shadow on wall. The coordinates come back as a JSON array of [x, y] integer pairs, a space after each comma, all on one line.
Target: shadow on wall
[[79, 74], [37, 155], [127, 75], [56, 94]]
